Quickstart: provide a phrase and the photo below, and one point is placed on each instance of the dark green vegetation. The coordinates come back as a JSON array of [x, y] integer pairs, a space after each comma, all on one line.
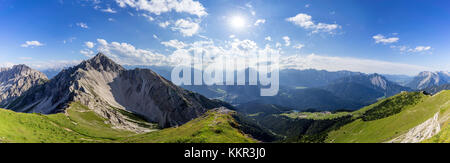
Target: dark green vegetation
[[392, 106], [379, 122], [81, 125]]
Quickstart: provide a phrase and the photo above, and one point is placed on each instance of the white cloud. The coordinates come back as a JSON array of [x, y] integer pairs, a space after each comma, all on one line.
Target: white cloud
[[127, 54], [287, 41], [278, 45], [155, 37], [382, 39], [232, 36], [31, 44], [417, 49], [305, 21], [268, 38], [307, 5], [298, 46], [164, 24], [149, 18], [174, 44], [82, 25], [87, 53], [111, 19], [109, 10], [260, 21], [6, 65], [70, 40], [89, 44], [421, 48], [186, 27], [162, 6]]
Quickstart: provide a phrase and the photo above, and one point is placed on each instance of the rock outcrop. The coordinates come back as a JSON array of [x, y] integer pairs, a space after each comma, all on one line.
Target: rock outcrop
[[421, 132], [16, 80]]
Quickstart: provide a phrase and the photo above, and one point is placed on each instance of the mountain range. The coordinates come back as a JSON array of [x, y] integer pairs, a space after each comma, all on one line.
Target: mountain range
[[428, 79], [104, 86], [101, 101]]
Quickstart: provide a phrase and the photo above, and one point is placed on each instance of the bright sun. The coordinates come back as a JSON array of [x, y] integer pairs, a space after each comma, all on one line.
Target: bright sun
[[237, 22]]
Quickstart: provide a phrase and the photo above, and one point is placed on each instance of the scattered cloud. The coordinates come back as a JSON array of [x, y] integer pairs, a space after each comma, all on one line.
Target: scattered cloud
[[6, 65], [149, 18], [250, 7], [87, 53], [305, 21], [307, 5], [268, 38], [278, 45], [162, 6], [174, 44], [164, 24], [417, 49], [127, 54], [186, 27], [111, 19], [421, 48], [260, 21], [287, 41], [89, 44], [298, 46], [232, 36], [109, 10], [31, 44], [70, 40], [382, 39], [82, 25]]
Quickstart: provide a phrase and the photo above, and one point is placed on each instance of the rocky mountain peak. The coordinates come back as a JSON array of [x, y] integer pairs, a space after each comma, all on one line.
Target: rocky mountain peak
[[101, 63], [16, 80]]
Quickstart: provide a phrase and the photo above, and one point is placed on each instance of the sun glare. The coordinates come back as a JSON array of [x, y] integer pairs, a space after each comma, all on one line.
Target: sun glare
[[237, 22]]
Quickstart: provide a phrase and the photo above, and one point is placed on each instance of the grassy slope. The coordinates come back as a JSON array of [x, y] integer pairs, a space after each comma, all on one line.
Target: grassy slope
[[212, 127], [81, 125], [385, 129], [78, 125]]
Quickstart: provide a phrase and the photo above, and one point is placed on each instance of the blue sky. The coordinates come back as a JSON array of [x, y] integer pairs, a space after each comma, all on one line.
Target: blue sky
[[384, 36]]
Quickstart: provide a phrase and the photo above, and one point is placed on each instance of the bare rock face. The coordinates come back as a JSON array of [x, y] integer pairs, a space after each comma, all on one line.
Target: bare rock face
[[17, 80], [421, 132], [105, 87], [429, 79]]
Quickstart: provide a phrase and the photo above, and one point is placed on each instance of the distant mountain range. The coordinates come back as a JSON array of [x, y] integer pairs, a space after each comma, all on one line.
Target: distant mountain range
[[306, 89], [101, 101]]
